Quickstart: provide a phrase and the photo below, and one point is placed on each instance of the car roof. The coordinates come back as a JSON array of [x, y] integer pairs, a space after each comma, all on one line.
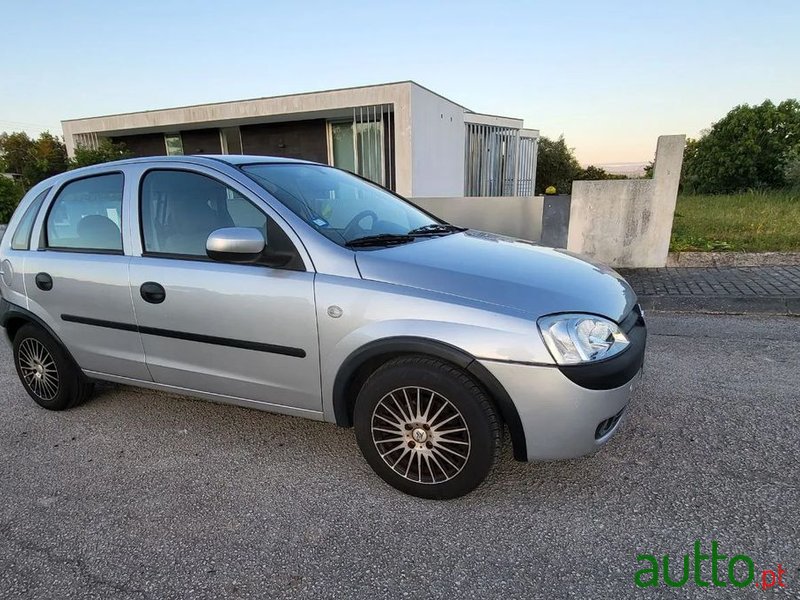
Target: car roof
[[199, 159], [196, 159], [248, 159]]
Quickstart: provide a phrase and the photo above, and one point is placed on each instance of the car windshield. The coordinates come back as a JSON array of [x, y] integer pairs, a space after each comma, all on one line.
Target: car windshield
[[339, 205]]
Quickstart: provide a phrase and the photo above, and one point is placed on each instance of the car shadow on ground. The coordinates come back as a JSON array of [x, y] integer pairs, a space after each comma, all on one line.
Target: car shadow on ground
[[299, 443]]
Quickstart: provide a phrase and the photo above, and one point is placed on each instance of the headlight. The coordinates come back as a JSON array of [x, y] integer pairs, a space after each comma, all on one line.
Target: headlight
[[573, 338]]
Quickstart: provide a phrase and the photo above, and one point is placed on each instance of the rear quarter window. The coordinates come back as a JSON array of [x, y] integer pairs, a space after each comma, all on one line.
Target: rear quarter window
[[22, 235]]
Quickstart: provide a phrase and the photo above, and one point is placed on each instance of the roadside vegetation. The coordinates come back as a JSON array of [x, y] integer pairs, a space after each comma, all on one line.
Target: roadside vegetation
[[740, 183], [27, 161], [755, 221]]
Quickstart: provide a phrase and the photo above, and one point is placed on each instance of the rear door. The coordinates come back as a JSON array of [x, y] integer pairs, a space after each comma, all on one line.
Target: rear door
[[76, 277], [239, 331]]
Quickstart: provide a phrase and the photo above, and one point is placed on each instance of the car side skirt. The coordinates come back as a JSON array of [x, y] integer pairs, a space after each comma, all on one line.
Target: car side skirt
[[210, 396]]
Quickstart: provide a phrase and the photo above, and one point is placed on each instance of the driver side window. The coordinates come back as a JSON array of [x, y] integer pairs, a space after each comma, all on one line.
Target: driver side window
[[180, 209]]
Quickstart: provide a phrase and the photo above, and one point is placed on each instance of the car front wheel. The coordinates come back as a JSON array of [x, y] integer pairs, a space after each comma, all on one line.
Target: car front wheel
[[426, 427]]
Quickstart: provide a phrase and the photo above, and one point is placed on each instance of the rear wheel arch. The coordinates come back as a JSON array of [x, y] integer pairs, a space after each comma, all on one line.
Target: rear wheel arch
[[15, 317], [357, 368], [14, 324]]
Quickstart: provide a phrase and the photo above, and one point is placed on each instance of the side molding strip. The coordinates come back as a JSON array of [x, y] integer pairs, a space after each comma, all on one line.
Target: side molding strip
[[191, 337]]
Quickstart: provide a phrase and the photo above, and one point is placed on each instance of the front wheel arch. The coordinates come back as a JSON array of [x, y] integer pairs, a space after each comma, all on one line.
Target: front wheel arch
[[357, 367]]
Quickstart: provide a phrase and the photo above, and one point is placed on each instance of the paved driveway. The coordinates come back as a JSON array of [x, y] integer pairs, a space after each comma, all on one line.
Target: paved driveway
[[144, 495]]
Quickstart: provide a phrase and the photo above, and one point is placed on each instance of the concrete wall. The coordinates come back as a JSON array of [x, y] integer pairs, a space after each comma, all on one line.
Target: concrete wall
[[437, 145], [518, 217], [627, 223]]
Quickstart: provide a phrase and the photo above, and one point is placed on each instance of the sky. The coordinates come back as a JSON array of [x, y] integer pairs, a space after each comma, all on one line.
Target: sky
[[610, 76]]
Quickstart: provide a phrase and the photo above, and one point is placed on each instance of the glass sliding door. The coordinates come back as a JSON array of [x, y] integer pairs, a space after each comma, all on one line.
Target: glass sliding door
[[342, 144], [359, 145], [369, 150]]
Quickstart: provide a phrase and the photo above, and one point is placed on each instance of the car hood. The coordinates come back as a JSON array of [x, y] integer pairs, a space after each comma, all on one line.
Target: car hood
[[503, 271]]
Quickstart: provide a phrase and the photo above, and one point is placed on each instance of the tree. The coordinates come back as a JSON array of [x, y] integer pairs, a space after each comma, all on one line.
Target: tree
[[556, 165], [106, 151], [592, 173], [33, 160], [748, 148], [11, 193]]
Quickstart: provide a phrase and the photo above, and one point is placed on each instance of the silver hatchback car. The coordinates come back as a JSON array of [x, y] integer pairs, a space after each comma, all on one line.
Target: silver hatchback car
[[297, 288]]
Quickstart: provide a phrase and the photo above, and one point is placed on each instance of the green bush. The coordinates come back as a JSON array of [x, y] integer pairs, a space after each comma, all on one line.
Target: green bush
[[556, 165], [791, 169], [745, 150], [11, 193]]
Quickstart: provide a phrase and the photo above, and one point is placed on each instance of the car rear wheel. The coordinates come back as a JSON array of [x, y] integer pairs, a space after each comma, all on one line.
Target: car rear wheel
[[426, 428], [49, 376]]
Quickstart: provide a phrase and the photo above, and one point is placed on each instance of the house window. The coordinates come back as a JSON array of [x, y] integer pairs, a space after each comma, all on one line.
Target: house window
[[174, 144]]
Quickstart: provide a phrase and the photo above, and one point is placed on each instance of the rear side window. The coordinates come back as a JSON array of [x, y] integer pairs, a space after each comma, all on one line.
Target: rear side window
[[22, 236], [87, 215]]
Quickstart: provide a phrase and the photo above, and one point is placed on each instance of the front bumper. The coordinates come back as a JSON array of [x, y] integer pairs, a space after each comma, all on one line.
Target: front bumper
[[560, 418]]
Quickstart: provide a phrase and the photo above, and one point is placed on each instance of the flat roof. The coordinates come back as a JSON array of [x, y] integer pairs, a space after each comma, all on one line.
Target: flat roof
[[279, 96]]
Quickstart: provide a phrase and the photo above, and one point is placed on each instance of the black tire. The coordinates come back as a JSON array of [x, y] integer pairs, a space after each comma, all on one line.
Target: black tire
[[419, 464], [60, 383]]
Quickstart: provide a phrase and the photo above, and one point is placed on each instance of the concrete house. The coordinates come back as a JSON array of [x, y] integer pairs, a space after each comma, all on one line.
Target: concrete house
[[401, 135]]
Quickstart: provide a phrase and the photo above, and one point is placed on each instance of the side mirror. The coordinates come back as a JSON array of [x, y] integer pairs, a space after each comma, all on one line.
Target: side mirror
[[235, 244]]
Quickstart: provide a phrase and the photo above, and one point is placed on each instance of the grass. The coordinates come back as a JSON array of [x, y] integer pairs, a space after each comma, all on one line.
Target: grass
[[750, 222]]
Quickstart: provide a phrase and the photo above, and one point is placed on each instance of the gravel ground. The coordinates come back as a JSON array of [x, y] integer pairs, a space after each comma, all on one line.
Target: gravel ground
[[144, 495]]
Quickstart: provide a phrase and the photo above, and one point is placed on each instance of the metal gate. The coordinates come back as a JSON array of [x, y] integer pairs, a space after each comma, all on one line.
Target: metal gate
[[499, 161]]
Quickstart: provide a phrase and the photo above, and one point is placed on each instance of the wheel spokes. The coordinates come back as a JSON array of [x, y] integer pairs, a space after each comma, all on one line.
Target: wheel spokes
[[38, 369], [408, 431]]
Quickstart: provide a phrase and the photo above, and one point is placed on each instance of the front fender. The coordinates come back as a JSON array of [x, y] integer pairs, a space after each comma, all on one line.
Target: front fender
[[371, 319]]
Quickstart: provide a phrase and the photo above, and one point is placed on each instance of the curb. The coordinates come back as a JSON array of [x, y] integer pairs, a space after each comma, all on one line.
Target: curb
[[732, 259], [737, 305]]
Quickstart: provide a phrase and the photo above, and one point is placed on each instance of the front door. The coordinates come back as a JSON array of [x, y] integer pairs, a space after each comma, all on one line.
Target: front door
[[238, 331]]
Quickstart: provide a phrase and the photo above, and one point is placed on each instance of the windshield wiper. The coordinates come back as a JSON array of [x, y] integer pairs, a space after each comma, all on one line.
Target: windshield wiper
[[381, 239], [436, 229]]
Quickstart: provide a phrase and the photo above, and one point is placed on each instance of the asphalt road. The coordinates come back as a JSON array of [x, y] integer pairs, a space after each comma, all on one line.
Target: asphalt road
[[144, 495]]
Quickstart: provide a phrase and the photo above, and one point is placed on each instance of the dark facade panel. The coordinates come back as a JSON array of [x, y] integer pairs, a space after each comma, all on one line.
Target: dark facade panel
[[146, 144], [201, 141], [307, 140]]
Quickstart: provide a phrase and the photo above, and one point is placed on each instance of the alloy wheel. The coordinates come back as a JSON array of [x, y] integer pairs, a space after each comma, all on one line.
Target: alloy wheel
[[421, 435], [38, 369]]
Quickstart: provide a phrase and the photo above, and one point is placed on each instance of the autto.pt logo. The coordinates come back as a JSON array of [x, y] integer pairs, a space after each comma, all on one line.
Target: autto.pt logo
[[704, 570]]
